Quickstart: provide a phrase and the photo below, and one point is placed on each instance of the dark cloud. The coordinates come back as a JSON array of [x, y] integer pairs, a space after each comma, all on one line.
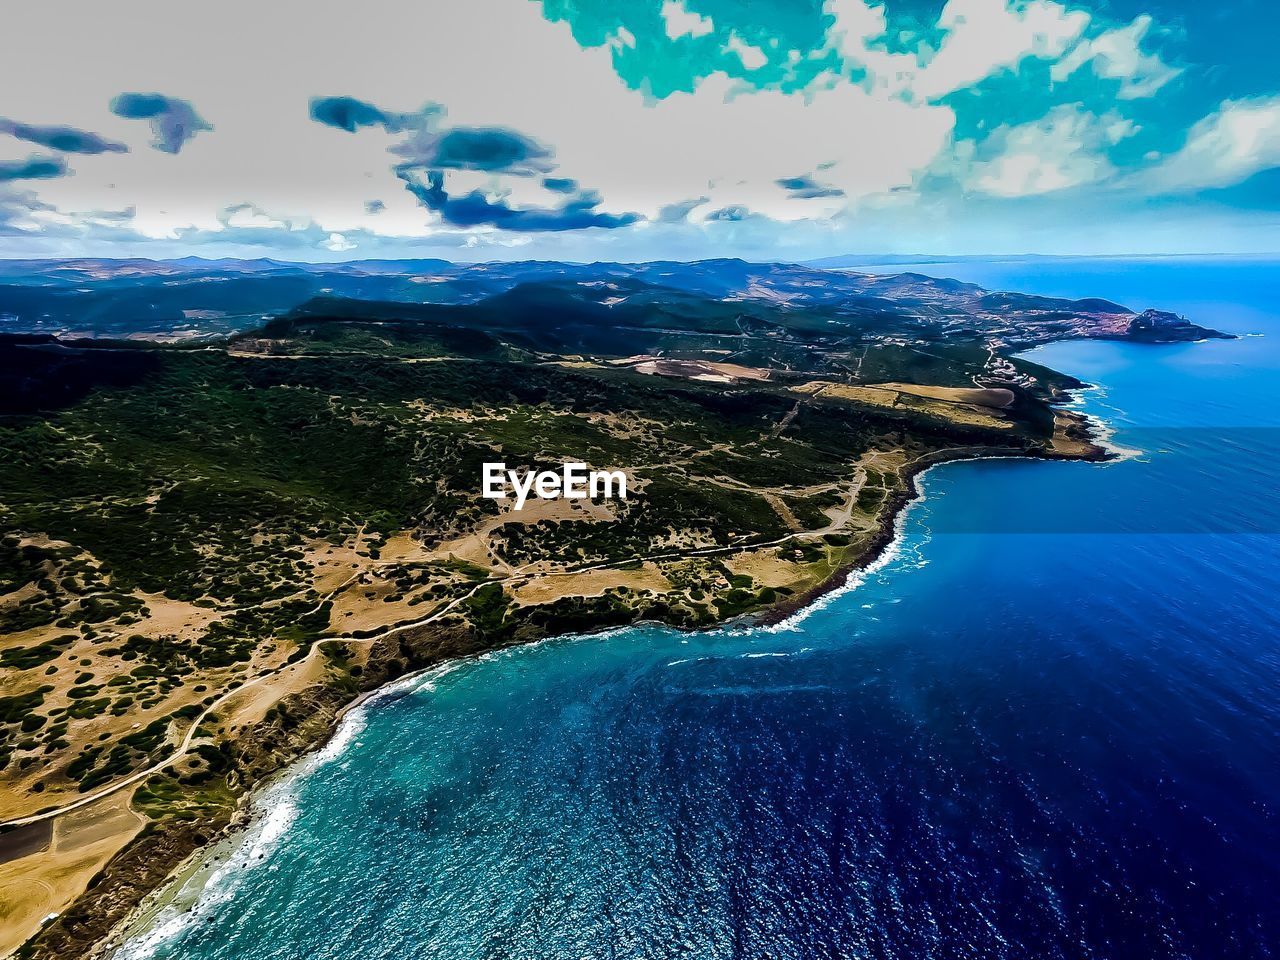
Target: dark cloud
[[64, 139], [793, 183], [350, 114], [427, 151], [374, 206], [475, 209], [427, 147], [173, 121], [490, 150], [347, 113], [486, 149], [32, 168], [679, 211], [806, 188]]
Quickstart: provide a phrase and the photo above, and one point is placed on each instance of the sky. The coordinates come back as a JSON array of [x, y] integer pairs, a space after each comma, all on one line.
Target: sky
[[638, 129]]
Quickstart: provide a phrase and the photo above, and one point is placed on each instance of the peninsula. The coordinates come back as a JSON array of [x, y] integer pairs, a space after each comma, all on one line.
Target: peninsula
[[234, 496]]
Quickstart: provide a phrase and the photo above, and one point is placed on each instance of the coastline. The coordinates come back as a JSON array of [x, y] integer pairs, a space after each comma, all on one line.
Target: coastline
[[881, 549], [217, 844], [250, 834]]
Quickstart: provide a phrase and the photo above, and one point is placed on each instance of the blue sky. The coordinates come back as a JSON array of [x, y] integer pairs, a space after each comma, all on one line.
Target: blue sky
[[596, 129]]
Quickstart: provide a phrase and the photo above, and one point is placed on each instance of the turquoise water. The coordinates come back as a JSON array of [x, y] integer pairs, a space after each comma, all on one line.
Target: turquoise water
[[1048, 726]]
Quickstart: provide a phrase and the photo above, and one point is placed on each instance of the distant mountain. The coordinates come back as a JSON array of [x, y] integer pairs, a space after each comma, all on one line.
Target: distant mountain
[[194, 298]]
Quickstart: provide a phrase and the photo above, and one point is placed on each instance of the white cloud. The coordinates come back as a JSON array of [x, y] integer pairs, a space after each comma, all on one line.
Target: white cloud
[[1117, 55], [856, 34], [856, 25], [753, 58], [986, 36], [622, 38], [682, 22], [248, 215], [980, 38], [1239, 139], [1065, 148]]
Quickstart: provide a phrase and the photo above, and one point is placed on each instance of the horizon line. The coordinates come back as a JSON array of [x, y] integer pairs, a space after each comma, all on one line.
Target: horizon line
[[868, 258]]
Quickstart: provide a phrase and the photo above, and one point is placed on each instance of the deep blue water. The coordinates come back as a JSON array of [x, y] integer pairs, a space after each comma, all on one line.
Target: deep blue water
[[1050, 727]]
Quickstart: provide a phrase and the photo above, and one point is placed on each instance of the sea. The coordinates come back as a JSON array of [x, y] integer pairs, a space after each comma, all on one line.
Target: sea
[[1046, 725]]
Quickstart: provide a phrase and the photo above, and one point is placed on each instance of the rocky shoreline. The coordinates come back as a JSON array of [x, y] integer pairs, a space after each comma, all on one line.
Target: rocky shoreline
[[895, 510]]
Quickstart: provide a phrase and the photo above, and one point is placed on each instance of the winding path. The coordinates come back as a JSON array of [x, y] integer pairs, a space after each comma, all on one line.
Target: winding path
[[184, 746], [521, 574]]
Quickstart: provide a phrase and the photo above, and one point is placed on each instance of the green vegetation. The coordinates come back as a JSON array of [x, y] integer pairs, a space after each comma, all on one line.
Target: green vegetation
[[27, 658], [131, 472], [200, 481]]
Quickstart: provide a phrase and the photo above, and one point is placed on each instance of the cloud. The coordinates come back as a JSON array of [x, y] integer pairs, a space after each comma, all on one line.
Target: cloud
[[854, 26], [1117, 55], [33, 168], [62, 139], [111, 216], [806, 188], [427, 145], [639, 153], [16, 208], [867, 85], [248, 224], [24, 215], [486, 149], [431, 148], [983, 37], [970, 41], [1066, 148], [173, 121], [1239, 139], [350, 114], [731, 214], [979, 39], [753, 58], [679, 211], [250, 215], [475, 209], [681, 22]]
